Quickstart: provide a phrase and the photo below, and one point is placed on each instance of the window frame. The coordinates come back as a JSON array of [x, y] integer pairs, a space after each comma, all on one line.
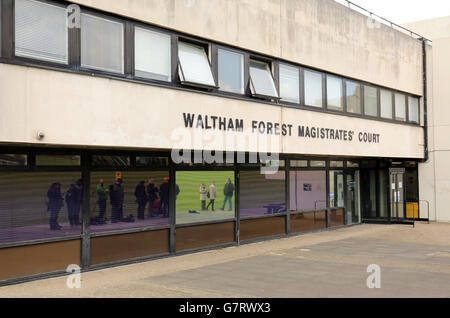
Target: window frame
[[334, 109], [271, 70], [28, 59], [207, 46], [245, 65], [108, 18], [323, 80], [299, 71], [171, 52]]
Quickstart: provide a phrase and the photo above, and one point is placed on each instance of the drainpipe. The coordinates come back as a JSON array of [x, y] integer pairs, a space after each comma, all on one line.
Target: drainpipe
[[425, 99]]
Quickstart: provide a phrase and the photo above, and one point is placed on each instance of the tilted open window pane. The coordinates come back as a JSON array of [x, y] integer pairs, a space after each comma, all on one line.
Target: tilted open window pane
[[41, 31], [231, 71], [194, 65], [102, 46], [370, 101], [386, 104], [152, 54], [400, 107], [17, 160], [313, 89], [413, 103], [262, 84], [289, 84], [334, 93]]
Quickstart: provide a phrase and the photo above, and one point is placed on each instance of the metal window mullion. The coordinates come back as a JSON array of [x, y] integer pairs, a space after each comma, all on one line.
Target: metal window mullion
[[129, 49], [85, 210], [7, 29]]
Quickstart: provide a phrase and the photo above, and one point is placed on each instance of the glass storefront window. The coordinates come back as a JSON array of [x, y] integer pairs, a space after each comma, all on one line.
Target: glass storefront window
[[56, 160], [15, 160], [308, 190], [299, 163], [128, 200], [39, 205], [336, 164], [205, 196], [317, 163], [336, 196], [262, 194], [110, 161], [352, 164], [152, 161]]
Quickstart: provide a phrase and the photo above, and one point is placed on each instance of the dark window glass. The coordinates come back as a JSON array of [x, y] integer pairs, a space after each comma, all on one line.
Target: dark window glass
[[152, 161], [308, 190], [127, 200], [56, 160], [317, 163], [39, 205], [110, 161], [13, 160], [299, 163], [336, 164], [262, 193], [205, 196]]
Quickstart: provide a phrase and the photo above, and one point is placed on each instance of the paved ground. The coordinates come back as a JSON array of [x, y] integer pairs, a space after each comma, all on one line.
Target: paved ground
[[414, 262]]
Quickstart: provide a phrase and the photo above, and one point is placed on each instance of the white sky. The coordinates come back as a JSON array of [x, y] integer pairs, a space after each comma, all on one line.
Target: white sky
[[402, 11]]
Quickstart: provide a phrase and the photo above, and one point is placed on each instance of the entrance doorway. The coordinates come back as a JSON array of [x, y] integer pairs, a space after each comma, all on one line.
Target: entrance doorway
[[397, 192]]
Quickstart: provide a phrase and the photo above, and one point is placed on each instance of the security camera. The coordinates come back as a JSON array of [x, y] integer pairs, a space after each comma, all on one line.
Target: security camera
[[40, 135]]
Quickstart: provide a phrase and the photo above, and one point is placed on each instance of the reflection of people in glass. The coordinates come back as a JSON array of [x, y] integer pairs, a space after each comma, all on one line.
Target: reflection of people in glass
[[164, 189], [141, 199], [55, 203], [228, 191], [101, 193], [116, 197], [72, 203], [203, 196], [152, 195], [212, 195], [78, 198]]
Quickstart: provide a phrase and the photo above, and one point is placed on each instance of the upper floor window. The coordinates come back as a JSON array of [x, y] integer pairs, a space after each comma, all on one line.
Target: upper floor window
[[413, 107], [370, 101], [152, 54], [102, 44], [313, 89], [386, 104], [334, 93], [289, 83], [231, 71], [194, 67], [261, 80], [353, 92], [400, 107], [41, 31]]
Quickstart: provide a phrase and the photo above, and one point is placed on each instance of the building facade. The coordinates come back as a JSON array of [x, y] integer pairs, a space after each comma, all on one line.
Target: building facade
[[138, 129]]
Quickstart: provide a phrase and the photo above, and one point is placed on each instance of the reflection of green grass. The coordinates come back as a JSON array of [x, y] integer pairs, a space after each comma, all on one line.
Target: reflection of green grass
[[189, 183]]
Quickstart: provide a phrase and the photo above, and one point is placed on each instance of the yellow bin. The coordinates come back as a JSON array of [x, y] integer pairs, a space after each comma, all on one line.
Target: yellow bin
[[412, 210]]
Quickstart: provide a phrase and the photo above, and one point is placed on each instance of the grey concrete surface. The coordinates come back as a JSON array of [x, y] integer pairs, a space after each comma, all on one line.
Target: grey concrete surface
[[414, 262]]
